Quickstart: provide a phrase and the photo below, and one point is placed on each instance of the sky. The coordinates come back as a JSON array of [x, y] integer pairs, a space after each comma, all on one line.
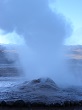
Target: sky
[[10, 38], [71, 9]]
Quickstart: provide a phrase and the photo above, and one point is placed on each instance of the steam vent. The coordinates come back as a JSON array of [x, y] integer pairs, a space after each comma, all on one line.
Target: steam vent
[[8, 64]]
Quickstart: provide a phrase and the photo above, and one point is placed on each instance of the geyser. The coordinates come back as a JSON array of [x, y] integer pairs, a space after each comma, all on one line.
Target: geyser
[[44, 32]]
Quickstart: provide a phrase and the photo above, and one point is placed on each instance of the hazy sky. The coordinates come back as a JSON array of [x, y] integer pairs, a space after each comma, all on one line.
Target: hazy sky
[[72, 10]]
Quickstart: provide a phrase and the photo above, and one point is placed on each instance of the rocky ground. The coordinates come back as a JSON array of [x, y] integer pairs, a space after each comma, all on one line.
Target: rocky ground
[[40, 94]]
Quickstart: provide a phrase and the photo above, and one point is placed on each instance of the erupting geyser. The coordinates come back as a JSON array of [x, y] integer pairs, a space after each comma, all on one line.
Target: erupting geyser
[[44, 32]]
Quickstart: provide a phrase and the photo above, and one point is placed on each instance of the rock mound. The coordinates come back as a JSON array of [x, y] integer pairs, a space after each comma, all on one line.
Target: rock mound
[[40, 83]]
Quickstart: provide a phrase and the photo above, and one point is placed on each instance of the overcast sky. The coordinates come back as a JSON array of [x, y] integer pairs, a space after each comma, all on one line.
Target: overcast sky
[[72, 10]]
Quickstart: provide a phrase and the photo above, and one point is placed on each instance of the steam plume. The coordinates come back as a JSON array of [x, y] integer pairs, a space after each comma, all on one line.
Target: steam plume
[[44, 32]]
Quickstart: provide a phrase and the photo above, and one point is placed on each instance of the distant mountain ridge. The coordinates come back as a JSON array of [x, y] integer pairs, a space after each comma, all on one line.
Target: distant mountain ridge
[[74, 51], [8, 60]]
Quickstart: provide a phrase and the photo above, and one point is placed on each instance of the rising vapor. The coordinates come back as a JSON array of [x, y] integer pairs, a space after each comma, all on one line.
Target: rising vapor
[[44, 32]]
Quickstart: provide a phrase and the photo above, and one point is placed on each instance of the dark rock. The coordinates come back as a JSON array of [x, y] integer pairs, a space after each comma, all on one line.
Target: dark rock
[[80, 103], [10, 103], [72, 103], [36, 81], [76, 103], [44, 83], [28, 104], [3, 103], [57, 104], [19, 103], [67, 103], [39, 84], [38, 104]]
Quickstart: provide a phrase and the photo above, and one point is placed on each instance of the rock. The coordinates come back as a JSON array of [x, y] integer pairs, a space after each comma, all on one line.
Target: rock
[[38, 104], [3, 103], [10, 103], [38, 84], [67, 103], [36, 81], [80, 102], [19, 103], [49, 84], [28, 104], [44, 83]]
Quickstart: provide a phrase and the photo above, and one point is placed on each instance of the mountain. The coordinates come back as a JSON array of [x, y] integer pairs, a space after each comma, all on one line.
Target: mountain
[[8, 62], [10, 66]]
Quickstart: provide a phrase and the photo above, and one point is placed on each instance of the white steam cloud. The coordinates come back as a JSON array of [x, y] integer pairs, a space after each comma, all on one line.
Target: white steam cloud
[[44, 32]]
